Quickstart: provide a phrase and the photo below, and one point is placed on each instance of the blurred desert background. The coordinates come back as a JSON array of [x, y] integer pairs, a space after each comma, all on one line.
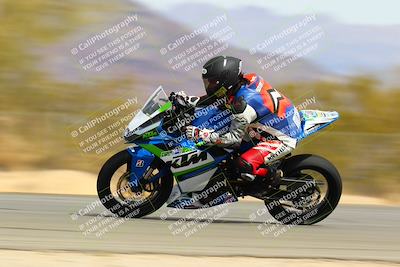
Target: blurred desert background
[[46, 94]]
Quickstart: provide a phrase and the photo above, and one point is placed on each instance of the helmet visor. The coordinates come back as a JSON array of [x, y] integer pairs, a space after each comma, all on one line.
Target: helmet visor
[[211, 85]]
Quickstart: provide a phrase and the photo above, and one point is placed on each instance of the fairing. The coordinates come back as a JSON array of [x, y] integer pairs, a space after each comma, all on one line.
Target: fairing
[[314, 120], [147, 118], [192, 166]]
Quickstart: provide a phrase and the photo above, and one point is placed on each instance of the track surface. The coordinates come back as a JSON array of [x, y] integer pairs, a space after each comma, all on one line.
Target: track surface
[[43, 222]]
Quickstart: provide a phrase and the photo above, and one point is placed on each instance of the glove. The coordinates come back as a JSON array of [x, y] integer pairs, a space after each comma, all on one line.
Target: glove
[[195, 134], [185, 100]]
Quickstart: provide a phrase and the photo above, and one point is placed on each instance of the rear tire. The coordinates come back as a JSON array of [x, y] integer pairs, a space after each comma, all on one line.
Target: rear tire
[[130, 210], [326, 206]]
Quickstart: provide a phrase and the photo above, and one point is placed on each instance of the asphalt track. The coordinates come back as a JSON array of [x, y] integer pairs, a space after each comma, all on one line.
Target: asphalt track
[[47, 222]]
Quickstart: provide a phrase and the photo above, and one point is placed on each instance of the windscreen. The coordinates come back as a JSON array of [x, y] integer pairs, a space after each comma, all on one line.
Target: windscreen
[[155, 102]]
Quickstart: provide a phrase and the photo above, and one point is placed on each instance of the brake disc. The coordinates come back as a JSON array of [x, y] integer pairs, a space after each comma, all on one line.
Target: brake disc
[[125, 190]]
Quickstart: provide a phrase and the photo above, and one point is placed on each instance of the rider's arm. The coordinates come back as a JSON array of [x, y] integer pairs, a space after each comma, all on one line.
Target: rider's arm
[[242, 114], [195, 101], [205, 100]]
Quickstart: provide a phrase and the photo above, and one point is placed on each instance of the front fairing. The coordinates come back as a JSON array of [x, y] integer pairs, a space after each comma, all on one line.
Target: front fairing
[[149, 117], [183, 158]]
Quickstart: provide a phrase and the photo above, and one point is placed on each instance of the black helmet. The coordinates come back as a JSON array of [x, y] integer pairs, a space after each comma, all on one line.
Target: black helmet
[[221, 74]]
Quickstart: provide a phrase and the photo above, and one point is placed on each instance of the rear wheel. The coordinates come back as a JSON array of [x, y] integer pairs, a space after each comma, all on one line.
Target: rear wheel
[[309, 192], [118, 195]]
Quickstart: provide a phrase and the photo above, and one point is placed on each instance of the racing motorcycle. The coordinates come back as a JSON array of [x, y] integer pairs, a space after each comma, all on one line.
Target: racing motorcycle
[[160, 165]]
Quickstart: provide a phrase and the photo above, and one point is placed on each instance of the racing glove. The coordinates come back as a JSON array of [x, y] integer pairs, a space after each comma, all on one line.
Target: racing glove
[[195, 134], [185, 100]]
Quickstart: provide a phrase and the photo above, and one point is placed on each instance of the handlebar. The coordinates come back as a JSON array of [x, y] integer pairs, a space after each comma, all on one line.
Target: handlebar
[[177, 114], [172, 96], [176, 106]]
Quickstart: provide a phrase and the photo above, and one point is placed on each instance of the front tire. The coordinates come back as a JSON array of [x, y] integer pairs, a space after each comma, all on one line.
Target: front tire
[[293, 166], [129, 208]]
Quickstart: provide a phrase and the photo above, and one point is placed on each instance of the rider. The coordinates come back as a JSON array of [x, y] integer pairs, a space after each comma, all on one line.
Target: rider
[[261, 116]]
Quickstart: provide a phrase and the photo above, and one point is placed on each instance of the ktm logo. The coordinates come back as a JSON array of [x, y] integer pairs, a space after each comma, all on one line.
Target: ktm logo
[[187, 159]]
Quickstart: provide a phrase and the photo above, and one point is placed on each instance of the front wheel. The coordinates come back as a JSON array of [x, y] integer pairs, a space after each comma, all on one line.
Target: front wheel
[[118, 195], [310, 190]]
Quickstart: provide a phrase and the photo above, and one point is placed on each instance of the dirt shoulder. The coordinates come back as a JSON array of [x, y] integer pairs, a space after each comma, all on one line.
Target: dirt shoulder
[[49, 182], [84, 183], [43, 259]]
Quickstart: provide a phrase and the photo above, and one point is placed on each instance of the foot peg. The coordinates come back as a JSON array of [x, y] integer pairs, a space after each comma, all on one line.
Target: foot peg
[[277, 177], [248, 177]]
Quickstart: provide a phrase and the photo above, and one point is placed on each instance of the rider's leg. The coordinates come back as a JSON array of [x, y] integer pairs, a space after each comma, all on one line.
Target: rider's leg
[[263, 153]]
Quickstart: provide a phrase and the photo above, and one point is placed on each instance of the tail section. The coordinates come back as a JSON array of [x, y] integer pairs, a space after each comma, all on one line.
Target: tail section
[[315, 120]]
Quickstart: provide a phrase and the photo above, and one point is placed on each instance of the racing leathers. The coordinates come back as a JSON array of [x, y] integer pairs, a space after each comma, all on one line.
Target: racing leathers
[[261, 117]]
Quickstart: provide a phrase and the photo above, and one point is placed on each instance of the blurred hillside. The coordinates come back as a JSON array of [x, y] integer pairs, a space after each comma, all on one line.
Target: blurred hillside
[[345, 48], [36, 108], [45, 93], [151, 68]]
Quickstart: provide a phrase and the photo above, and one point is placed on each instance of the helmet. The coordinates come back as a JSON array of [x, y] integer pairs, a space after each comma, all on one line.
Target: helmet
[[221, 74]]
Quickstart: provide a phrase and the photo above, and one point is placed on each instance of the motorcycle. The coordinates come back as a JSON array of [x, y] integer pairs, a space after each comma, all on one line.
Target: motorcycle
[[160, 165]]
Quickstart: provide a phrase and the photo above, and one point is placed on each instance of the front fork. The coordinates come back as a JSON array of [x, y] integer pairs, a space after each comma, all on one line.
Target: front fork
[[141, 167]]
